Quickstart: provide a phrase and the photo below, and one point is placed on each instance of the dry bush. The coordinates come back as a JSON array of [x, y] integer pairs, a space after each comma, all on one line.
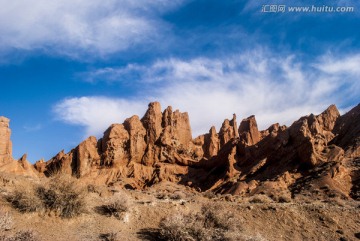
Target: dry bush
[[161, 195], [60, 194], [260, 198], [116, 206], [64, 196], [6, 220], [21, 236], [175, 196], [109, 237], [25, 199], [209, 195], [212, 223]]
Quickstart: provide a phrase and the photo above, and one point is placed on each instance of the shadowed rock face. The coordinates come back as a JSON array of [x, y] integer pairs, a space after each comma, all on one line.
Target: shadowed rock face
[[315, 150], [5, 143]]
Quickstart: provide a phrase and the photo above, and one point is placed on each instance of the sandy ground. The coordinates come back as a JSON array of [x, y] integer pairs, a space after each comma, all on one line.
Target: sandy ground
[[258, 218]]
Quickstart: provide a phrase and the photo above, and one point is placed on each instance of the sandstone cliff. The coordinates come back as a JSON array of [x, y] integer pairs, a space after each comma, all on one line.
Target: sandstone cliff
[[315, 151], [5, 143]]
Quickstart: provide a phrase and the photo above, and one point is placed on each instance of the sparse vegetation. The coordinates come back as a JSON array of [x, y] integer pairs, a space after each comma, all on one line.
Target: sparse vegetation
[[25, 199], [21, 236], [61, 195], [260, 198], [116, 206], [109, 237], [6, 220], [212, 223]]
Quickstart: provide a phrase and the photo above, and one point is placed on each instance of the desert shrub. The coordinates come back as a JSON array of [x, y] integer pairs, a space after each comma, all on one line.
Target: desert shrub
[[60, 194], [209, 194], [109, 237], [25, 199], [212, 223], [6, 220], [177, 196], [161, 195], [21, 236], [63, 196], [260, 198], [24, 236], [116, 206]]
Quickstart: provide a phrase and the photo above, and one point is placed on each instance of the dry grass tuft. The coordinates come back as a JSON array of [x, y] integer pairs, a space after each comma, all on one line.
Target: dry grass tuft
[[64, 196], [116, 206], [109, 237], [6, 220], [25, 199], [61, 195], [21, 236], [260, 198], [212, 223]]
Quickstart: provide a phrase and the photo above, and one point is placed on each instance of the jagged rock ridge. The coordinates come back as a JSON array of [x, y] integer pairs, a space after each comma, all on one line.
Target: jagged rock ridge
[[315, 151]]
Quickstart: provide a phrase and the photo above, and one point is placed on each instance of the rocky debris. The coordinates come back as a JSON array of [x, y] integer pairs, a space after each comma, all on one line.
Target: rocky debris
[[281, 162], [5, 142]]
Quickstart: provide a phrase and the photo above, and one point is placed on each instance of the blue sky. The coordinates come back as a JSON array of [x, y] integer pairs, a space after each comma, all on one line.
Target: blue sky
[[68, 69]]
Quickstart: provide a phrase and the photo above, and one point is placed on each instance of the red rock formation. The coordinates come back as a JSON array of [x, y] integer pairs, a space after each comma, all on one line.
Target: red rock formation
[[228, 131], [137, 133], [5, 142], [315, 150], [249, 132], [87, 156], [115, 146], [211, 143], [152, 121]]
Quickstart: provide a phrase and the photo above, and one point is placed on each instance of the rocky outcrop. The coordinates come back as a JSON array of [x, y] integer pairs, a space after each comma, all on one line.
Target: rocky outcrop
[[314, 151], [228, 131], [5, 142], [87, 156], [20, 167], [152, 122], [137, 133], [115, 146], [249, 132], [125, 149]]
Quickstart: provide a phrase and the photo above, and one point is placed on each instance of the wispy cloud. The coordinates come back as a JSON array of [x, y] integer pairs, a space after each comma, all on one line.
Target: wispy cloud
[[97, 113], [71, 27], [32, 128], [275, 88]]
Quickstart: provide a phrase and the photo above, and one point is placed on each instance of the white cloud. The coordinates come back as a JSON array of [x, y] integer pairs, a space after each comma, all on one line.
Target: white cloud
[[274, 88], [97, 113], [349, 65], [95, 26]]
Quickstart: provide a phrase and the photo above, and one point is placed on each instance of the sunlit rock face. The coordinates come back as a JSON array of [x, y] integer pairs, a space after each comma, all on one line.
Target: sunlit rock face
[[5, 143]]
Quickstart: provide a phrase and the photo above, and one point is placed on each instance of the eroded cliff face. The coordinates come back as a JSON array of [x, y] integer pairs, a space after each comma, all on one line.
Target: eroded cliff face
[[5, 143], [315, 151]]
